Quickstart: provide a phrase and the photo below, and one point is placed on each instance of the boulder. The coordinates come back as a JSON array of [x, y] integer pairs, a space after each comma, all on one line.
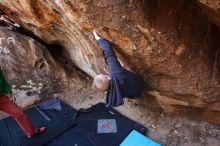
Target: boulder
[[171, 43], [29, 67]]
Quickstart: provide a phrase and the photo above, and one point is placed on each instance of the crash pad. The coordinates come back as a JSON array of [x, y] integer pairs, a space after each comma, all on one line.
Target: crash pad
[[12, 135], [137, 139], [72, 137], [87, 124], [65, 128]]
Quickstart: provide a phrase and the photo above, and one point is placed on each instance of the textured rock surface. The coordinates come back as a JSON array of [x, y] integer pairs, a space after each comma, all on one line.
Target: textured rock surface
[[172, 44], [212, 9], [28, 66]]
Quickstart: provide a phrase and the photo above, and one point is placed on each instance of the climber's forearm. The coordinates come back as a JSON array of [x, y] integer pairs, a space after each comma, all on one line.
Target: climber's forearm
[[111, 59]]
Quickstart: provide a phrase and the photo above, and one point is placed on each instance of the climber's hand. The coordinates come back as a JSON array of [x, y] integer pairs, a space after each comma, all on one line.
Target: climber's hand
[[96, 35], [16, 25]]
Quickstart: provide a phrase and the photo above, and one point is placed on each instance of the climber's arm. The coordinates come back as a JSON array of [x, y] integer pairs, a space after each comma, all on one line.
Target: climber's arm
[[111, 59]]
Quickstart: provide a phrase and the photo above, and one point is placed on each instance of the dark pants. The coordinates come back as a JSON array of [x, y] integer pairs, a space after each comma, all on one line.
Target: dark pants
[[16, 112]]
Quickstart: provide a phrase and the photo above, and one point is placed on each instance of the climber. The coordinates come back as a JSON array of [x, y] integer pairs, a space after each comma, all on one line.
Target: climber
[[120, 83], [7, 104]]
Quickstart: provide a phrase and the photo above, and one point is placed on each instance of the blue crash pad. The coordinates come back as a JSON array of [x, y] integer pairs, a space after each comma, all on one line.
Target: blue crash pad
[[137, 139]]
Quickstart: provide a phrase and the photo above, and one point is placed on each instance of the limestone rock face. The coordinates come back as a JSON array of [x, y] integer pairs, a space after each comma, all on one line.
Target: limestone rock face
[[171, 43]]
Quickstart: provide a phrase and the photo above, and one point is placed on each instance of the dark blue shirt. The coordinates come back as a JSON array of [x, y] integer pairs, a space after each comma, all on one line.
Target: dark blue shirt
[[124, 83]]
